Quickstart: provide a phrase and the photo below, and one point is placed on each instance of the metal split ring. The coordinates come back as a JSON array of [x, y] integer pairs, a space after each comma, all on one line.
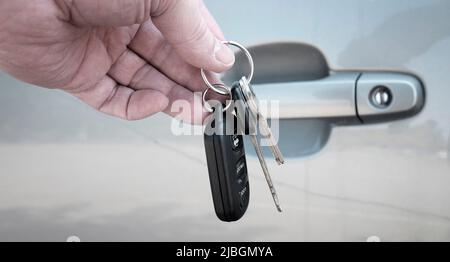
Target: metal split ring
[[249, 77], [222, 88]]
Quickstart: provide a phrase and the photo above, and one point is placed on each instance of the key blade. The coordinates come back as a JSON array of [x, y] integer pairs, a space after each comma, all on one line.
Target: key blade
[[267, 133], [254, 110], [262, 161]]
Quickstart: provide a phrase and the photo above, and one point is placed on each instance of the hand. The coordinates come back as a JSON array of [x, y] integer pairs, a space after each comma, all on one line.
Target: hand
[[126, 58]]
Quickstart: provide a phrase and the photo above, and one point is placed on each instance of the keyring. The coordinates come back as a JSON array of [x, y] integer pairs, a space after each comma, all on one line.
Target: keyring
[[220, 87], [249, 77]]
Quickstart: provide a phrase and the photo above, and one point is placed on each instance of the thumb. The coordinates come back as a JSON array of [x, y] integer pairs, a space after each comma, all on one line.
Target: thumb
[[106, 12], [184, 26]]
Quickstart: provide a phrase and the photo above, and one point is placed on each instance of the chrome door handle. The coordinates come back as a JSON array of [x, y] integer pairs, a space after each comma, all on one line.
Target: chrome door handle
[[348, 97], [313, 98], [330, 97], [297, 75]]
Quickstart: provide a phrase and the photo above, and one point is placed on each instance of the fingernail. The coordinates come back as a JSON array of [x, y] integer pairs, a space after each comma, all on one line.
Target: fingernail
[[224, 55]]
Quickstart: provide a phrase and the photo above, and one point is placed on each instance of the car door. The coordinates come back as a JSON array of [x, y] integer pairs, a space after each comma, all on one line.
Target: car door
[[353, 172]]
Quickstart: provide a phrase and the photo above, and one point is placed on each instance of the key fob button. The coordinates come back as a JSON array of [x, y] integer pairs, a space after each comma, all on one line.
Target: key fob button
[[241, 167], [236, 142], [244, 196]]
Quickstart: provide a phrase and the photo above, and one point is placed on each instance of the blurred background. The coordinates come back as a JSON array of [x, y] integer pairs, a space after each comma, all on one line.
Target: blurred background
[[68, 170]]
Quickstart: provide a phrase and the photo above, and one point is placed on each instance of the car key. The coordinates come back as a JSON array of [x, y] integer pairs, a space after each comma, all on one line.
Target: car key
[[250, 118], [227, 167], [248, 123], [253, 105]]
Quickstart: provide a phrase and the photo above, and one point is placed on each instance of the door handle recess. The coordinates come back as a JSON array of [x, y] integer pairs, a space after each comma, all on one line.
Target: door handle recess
[[365, 97]]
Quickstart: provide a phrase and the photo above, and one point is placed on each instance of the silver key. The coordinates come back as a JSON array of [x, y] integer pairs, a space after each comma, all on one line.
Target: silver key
[[262, 161], [253, 105], [251, 121]]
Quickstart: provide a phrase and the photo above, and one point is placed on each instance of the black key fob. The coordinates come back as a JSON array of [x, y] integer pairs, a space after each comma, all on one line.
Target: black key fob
[[227, 166]]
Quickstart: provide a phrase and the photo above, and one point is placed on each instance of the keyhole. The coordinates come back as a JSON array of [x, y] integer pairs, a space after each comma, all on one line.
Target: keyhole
[[381, 97]]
